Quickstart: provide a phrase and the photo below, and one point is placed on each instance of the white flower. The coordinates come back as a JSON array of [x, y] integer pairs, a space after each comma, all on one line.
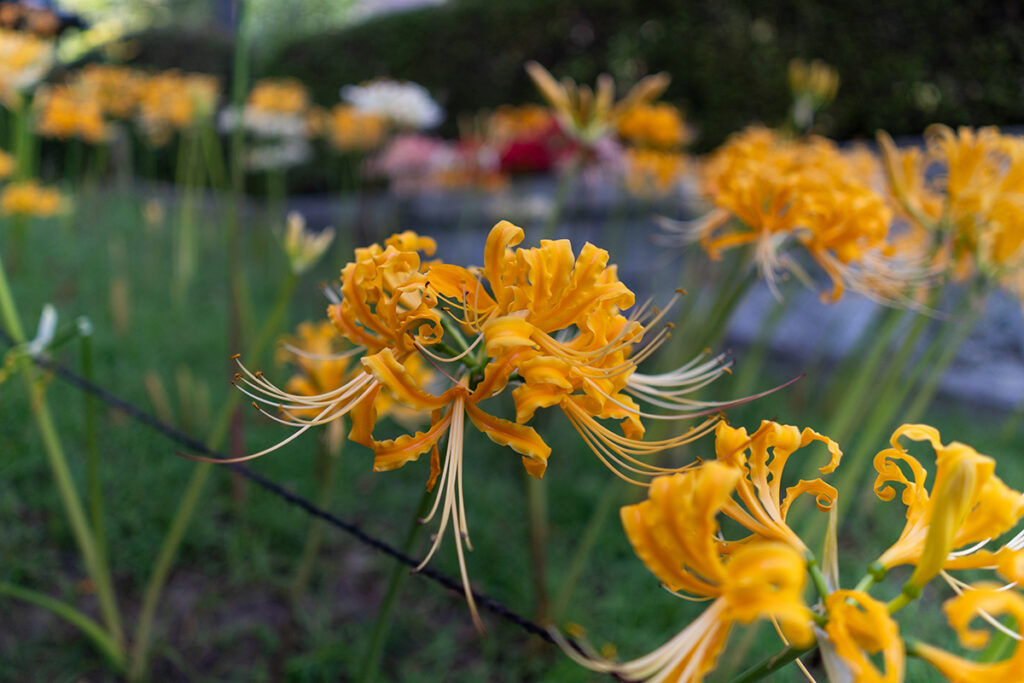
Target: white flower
[[264, 124], [285, 153], [406, 104]]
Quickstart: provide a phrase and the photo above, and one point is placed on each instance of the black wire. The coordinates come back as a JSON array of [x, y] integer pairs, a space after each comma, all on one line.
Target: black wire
[[193, 444]]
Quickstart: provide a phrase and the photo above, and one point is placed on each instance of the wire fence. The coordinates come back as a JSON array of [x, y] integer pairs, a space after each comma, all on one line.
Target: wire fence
[[193, 444]]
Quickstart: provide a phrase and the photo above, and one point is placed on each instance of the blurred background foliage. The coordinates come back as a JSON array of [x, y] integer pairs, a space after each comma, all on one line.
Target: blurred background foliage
[[904, 65]]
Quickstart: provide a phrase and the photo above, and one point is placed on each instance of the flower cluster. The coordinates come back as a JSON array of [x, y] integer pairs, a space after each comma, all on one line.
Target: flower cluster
[[773, 193], [116, 89], [65, 112], [541, 322], [349, 129], [654, 135], [813, 85], [276, 108], [29, 198], [24, 61], [403, 104], [590, 115], [962, 192], [677, 534], [172, 101]]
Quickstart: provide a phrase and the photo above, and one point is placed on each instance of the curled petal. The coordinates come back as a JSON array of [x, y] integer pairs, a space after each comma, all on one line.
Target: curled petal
[[393, 453], [961, 611], [824, 494], [520, 438], [528, 398]]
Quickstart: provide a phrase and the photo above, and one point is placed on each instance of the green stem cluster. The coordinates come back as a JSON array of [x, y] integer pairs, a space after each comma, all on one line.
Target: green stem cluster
[[84, 534]]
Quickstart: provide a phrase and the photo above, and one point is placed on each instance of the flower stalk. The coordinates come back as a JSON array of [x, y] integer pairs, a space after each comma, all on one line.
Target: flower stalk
[[370, 666]]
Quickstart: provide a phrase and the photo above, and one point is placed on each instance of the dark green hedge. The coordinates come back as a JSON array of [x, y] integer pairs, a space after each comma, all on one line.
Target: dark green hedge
[[728, 59]]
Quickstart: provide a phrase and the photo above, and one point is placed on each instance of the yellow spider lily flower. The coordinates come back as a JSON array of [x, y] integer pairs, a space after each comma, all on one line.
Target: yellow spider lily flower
[[276, 108], [656, 126], [24, 61], [860, 626], [772, 193], [586, 115], [964, 192], [117, 89], [813, 85], [543, 319], [350, 129], [815, 80], [522, 308], [674, 532], [64, 112], [303, 247], [967, 506], [653, 173], [961, 610], [172, 101], [759, 505], [510, 123], [29, 198], [279, 95]]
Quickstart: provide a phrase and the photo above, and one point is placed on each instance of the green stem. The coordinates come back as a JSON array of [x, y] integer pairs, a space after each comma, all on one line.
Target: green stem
[[214, 157], [772, 664], [865, 583], [886, 410], [961, 330], [864, 379], [23, 140], [92, 630], [185, 253], [92, 451], [186, 508], [277, 191], [399, 573], [94, 564], [537, 511], [817, 578], [909, 593]]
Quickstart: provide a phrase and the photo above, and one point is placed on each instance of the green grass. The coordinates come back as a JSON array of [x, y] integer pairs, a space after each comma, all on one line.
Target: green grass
[[225, 614]]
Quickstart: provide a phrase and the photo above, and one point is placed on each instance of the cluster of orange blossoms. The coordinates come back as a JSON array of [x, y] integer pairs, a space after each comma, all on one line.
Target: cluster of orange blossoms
[[963, 193], [24, 60], [543, 322], [774, 193], [29, 198], [676, 532], [348, 129], [65, 112], [655, 135]]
